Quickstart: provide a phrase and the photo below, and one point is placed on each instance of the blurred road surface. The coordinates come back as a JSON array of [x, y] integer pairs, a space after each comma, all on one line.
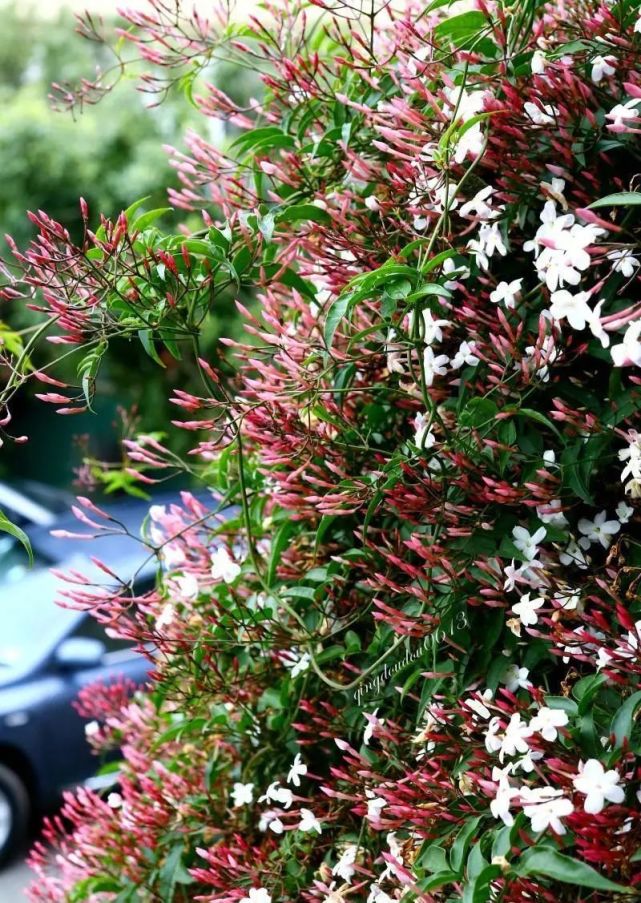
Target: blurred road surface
[[13, 880]]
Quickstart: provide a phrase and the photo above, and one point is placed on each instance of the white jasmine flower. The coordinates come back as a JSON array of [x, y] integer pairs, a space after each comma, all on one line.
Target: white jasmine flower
[[297, 771], [481, 205], [549, 458], [309, 822], [434, 365], [296, 663], [223, 566], [538, 62], [166, 616], [599, 530], [624, 512], [507, 293], [92, 728], [477, 706], [375, 805], [547, 721], [596, 326], [257, 895], [493, 741], [432, 329], [396, 852], [526, 762], [376, 895], [489, 242], [598, 785], [526, 609], [545, 807], [569, 599], [465, 355], [551, 513], [526, 573], [502, 802], [423, 436], [465, 105], [559, 248], [602, 68], [573, 308], [546, 354], [186, 586], [172, 554], [514, 739], [277, 794], [622, 113], [396, 355], [631, 454], [115, 801], [242, 794], [516, 678], [372, 203], [574, 554], [344, 868], [584, 646], [272, 821], [624, 262], [543, 115], [372, 723], [450, 269], [528, 543], [629, 350]]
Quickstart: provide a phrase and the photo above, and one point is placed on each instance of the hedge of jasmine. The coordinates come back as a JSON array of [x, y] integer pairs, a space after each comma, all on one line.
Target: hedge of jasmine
[[397, 655]]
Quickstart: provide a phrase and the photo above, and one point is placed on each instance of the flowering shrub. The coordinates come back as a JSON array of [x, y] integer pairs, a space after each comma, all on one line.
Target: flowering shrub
[[398, 655]]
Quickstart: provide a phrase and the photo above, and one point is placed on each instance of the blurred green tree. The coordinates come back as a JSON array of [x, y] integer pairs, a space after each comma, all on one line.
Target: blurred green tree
[[109, 155]]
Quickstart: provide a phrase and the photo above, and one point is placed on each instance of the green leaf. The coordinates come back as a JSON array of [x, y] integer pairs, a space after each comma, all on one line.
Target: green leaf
[[146, 219], [462, 842], [168, 873], [6, 526], [299, 592], [262, 139], [266, 226], [433, 288], [303, 212], [585, 689], [279, 544], [334, 315], [537, 416], [566, 705], [460, 28], [325, 523], [129, 212], [620, 199], [477, 890], [551, 864], [478, 412], [438, 880], [147, 342], [623, 720], [577, 471]]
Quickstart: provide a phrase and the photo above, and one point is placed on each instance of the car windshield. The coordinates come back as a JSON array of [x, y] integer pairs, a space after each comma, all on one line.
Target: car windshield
[[14, 561], [31, 623]]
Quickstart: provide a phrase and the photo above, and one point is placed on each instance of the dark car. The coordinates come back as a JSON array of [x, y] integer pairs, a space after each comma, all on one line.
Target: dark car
[[47, 654]]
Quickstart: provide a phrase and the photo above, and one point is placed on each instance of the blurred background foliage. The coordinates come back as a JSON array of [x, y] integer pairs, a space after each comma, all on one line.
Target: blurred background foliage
[[111, 155]]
